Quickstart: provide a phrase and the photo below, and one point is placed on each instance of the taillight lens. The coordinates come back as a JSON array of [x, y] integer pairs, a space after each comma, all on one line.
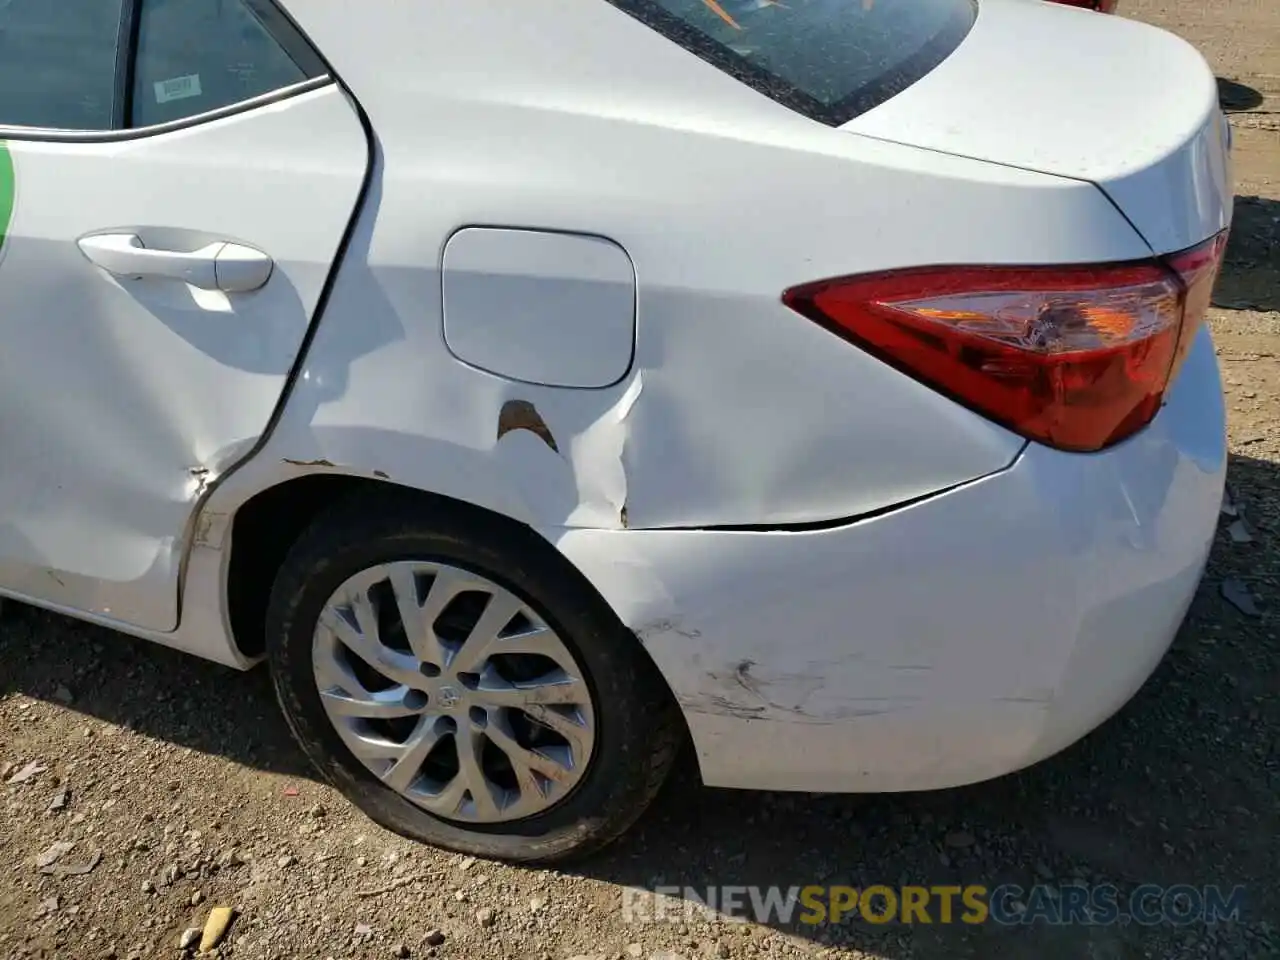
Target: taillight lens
[[1076, 358]]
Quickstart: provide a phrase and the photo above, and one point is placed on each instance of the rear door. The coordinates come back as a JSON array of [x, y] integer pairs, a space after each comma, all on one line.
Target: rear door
[[176, 179]]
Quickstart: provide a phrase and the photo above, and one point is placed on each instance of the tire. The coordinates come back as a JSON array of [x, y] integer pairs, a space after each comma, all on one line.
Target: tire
[[637, 729]]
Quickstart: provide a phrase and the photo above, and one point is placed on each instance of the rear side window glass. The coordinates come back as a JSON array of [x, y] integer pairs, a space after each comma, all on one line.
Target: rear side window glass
[[829, 59], [199, 55], [58, 62]]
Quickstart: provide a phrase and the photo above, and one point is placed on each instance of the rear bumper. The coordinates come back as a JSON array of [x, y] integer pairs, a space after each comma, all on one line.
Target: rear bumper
[[948, 642]]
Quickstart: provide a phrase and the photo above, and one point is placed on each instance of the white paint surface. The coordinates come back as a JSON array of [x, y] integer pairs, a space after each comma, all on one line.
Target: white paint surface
[[1108, 100]]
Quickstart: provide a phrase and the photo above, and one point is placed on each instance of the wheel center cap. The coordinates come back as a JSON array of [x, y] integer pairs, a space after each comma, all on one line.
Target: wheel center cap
[[448, 697]]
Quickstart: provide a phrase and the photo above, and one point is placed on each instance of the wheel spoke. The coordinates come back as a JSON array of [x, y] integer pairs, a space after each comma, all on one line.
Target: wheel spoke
[[573, 730], [385, 704], [366, 616], [447, 802], [539, 640], [482, 641], [556, 688], [523, 760], [446, 584], [417, 628], [416, 749], [392, 664], [368, 747], [471, 772]]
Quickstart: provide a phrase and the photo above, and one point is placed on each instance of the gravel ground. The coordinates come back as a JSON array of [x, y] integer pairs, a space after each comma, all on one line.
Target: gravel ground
[[176, 785]]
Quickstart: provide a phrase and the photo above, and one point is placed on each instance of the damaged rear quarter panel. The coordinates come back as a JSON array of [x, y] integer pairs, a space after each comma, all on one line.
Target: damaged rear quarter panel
[[744, 413], [775, 422]]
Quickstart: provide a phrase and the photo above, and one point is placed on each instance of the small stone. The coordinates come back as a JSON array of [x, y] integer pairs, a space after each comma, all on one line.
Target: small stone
[[400, 951], [1240, 532], [54, 853], [959, 839], [29, 772], [635, 950], [196, 898], [363, 930], [288, 860], [434, 938], [74, 869], [215, 928], [318, 811], [1228, 503], [148, 886], [485, 916], [460, 896], [60, 800], [537, 904], [1237, 593], [467, 863], [362, 861], [722, 951], [188, 938], [48, 905]]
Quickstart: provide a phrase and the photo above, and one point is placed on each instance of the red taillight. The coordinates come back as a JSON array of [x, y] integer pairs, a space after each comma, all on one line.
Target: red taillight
[[1077, 358]]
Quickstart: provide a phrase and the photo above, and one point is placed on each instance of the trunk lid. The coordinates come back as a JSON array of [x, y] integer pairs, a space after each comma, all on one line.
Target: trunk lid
[[1063, 91]]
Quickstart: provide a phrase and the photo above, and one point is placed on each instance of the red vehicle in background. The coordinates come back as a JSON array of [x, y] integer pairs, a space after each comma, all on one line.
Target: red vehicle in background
[[1102, 6]]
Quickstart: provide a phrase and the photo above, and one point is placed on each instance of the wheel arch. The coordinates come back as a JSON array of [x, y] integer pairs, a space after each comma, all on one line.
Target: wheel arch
[[267, 525]]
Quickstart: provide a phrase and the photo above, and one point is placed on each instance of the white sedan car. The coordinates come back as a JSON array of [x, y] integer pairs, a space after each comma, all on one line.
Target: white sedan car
[[541, 387]]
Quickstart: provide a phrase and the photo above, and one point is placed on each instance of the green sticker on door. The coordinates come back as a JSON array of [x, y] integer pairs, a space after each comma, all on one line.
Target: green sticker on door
[[6, 191]]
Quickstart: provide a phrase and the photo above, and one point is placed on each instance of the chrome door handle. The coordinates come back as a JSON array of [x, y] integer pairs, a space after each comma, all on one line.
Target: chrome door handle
[[229, 267]]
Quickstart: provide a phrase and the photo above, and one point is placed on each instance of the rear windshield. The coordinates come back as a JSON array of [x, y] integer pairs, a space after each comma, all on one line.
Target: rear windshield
[[829, 59]]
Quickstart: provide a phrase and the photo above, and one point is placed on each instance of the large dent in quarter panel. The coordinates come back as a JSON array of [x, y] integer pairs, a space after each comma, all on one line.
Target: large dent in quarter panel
[[745, 413], [709, 428]]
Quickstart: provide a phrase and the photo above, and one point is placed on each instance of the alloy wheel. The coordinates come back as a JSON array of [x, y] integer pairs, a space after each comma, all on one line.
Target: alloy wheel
[[453, 691]]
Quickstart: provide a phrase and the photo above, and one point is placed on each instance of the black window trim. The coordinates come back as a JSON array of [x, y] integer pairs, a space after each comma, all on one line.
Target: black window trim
[[126, 57], [659, 19], [56, 135], [274, 20]]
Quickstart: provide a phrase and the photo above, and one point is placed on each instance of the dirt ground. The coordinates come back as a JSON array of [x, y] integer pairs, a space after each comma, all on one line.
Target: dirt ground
[[178, 785]]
